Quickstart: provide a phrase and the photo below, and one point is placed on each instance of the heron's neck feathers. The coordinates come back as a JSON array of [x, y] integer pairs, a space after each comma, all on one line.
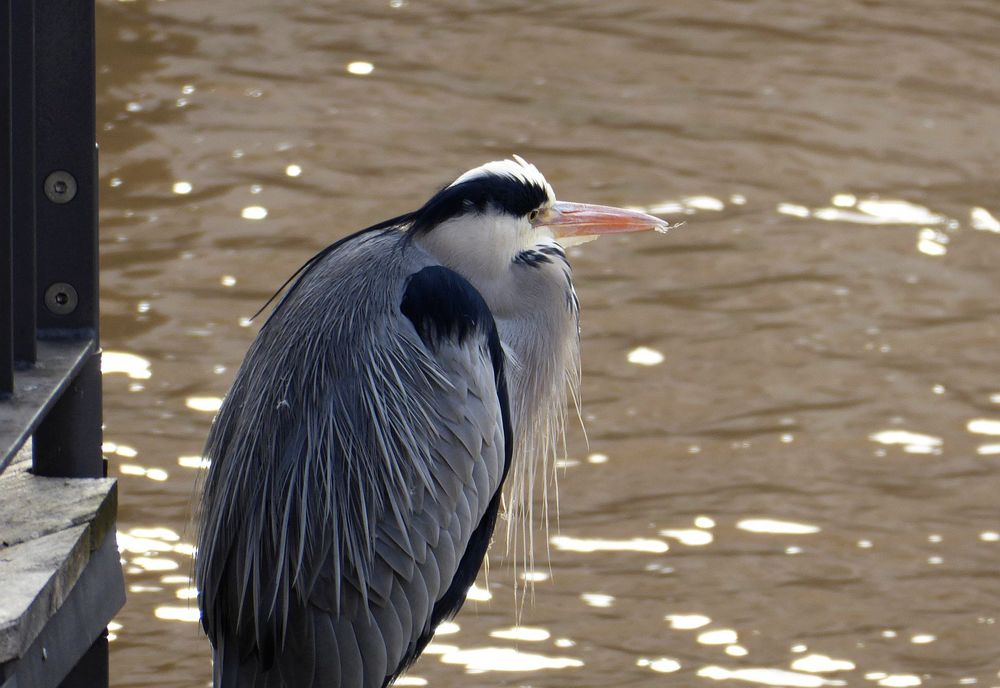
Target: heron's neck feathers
[[543, 359]]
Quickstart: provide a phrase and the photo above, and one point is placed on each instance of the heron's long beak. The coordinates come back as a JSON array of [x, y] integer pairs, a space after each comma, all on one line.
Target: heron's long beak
[[573, 223]]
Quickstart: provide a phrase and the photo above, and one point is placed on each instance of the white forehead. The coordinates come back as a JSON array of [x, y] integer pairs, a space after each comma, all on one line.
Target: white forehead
[[518, 168]]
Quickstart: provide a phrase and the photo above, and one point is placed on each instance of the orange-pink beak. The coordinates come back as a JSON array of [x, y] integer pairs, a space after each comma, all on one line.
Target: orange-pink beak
[[579, 220]]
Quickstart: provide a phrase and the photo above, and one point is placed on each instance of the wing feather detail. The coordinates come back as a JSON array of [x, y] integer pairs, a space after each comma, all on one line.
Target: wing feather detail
[[362, 457]]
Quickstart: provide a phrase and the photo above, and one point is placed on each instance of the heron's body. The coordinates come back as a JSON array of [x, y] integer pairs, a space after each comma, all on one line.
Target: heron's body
[[358, 460]]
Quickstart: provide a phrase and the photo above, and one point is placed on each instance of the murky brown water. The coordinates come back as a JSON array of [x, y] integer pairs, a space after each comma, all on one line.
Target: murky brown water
[[798, 392]]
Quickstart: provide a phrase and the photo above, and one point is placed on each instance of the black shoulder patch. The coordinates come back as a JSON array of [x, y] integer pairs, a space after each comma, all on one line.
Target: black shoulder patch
[[442, 304]]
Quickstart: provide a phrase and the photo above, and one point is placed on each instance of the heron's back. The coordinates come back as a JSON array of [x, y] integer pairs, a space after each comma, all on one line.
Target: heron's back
[[356, 469]]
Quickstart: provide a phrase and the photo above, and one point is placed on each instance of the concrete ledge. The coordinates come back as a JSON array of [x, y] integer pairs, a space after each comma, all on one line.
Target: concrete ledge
[[50, 530]]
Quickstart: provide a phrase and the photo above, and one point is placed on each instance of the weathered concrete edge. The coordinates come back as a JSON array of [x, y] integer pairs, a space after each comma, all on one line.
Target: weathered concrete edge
[[76, 627], [69, 554], [34, 507]]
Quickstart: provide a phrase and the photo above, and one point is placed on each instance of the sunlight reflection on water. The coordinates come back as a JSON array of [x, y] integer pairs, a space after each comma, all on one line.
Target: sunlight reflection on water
[[133, 365], [663, 665], [912, 442], [528, 634], [184, 614], [984, 426], [596, 599], [204, 404], [590, 545], [481, 660], [771, 525], [821, 664], [692, 537], [685, 622], [871, 211], [722, 636], [767, 677]]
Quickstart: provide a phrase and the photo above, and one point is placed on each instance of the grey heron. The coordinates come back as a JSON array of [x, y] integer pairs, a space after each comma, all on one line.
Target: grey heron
[[358, 461]]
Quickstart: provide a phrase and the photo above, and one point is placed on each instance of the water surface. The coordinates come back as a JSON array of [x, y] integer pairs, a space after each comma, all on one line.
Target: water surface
[[792, 402]]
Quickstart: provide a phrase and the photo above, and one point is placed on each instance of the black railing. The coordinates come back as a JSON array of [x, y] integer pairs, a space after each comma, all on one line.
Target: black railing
[[50, 373], [49, 358]]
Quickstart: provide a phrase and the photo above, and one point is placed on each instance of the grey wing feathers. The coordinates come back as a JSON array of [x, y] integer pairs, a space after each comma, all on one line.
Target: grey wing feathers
[[350, 474], [408, 581]]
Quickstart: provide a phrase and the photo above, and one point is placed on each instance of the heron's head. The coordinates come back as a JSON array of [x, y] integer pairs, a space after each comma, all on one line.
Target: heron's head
[[500, 224]]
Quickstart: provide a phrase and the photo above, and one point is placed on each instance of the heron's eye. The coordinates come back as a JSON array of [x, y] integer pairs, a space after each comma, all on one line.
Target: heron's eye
[[533, 215]]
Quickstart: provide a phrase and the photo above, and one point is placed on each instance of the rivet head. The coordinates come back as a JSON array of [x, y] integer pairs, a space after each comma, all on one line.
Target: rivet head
[[61, 298], [60, 187]]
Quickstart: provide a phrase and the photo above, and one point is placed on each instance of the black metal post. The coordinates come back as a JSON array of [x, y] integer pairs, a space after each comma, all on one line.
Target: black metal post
[[6, 234], [66, 167], [22, 155], [68, 442]]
